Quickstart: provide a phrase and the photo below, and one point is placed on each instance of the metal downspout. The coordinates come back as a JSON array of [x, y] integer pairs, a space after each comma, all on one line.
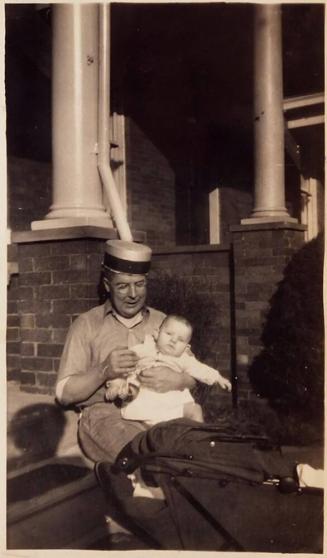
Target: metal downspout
[[108, 182]]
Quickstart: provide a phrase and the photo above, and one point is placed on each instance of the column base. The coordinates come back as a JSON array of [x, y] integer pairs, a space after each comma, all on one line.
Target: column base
[[268, 219], [105, 222]]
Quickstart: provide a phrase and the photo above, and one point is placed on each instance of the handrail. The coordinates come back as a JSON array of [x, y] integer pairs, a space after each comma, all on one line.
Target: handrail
[[290, 103]]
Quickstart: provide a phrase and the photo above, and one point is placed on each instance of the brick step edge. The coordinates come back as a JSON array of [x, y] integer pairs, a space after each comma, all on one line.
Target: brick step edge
[[19, 511]]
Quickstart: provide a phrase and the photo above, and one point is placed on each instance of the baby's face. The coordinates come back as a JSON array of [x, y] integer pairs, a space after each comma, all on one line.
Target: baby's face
[[173, 338]]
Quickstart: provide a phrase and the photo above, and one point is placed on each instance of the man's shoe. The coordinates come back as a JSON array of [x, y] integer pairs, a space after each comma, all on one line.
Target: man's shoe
[[102, 474], [114, 486], [123, 508]]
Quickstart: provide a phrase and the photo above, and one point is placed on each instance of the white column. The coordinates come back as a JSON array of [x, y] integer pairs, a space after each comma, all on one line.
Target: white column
[[269, 194], [214, 216], [310, 206], [77, 191]]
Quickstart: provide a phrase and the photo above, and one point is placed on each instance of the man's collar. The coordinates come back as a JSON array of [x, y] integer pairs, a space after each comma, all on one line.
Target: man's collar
[[108, 309]]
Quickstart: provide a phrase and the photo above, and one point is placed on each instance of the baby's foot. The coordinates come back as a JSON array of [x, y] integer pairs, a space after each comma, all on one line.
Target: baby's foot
[[113, 389], [308, 476]]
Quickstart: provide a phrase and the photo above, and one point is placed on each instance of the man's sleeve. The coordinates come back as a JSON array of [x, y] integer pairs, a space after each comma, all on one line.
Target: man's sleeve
[[76, 356]]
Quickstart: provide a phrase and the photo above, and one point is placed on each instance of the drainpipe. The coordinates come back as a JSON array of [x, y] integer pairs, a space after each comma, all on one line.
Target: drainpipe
[[108, 182]]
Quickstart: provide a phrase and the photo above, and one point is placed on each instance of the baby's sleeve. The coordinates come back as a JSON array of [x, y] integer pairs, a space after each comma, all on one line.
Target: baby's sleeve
[[198, 370], [147, 348]]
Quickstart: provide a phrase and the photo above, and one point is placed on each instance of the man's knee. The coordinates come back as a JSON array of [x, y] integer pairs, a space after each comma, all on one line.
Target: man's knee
[[103, 433]]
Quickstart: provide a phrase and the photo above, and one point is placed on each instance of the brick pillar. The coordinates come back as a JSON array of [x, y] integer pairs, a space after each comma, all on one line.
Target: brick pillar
[[58, 278], [57, 281], [13, 322], [261, 253]]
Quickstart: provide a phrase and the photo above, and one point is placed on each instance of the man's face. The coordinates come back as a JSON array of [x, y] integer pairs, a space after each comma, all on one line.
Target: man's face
[[173, 337], [127, 293]]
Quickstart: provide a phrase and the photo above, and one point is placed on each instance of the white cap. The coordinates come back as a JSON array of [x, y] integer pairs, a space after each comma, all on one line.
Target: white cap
[[127, 257]]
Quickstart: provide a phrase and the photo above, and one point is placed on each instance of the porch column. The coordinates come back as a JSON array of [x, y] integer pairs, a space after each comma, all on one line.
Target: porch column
[[76, 192], [269, 194]]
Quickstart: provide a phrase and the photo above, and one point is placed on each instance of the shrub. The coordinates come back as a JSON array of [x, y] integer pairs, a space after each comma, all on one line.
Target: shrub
[[290, 369]]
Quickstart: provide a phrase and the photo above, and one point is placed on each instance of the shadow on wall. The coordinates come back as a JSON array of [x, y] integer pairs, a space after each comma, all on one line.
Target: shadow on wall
[[36, 431], [289, 372]]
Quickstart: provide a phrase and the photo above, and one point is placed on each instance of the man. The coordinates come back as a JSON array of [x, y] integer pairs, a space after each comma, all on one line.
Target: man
[[99, 348]]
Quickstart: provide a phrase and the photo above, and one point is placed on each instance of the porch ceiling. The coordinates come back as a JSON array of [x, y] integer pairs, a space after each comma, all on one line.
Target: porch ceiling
[[181, 66]]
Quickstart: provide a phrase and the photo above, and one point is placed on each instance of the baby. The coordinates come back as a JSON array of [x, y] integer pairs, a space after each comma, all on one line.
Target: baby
[[169, 347]]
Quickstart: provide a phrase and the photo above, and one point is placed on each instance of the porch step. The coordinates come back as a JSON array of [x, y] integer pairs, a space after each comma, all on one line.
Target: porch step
[[67, 509], [69, 516], [53, 499]]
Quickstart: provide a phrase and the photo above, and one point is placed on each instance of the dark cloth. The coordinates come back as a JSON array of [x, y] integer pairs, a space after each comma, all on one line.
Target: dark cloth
[[243, 516], [217, 496], [149, 519], [183, 442]]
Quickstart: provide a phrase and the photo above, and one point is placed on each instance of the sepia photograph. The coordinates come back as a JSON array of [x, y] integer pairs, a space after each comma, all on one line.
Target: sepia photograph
[[165, 170]]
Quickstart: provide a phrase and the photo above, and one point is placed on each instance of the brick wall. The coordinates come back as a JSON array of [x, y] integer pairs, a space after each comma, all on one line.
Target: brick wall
[[235, 204], [13, 321], [29, 191], [150, 188], [204, 272], [57, 281], [261, 253], [169, 214]]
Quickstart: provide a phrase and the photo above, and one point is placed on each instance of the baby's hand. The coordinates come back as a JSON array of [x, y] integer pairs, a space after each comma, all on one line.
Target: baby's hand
[[224, 383], [114, 388]]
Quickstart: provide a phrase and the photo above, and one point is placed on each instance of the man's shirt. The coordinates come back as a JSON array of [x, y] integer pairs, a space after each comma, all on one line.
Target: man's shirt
[[93, 336]]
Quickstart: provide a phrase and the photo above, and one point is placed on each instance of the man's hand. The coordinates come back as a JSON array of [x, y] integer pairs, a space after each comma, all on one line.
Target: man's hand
[[119, 363], [163, 379]]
